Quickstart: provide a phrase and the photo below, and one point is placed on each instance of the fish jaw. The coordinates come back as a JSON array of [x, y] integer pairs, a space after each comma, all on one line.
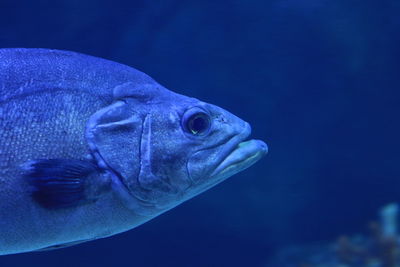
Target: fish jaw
[[243, 156]]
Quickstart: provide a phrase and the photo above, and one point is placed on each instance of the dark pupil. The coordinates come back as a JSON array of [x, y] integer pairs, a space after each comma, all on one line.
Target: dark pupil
[[198, 124]]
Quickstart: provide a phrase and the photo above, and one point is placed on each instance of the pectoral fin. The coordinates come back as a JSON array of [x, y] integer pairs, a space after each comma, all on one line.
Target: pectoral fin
[[61, 183]]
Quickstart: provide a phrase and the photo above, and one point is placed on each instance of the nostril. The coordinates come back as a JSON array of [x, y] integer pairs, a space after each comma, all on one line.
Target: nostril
[[221, 119]]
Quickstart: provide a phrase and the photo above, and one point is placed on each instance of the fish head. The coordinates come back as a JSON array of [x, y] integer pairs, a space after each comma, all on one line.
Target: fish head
[[167, 148]]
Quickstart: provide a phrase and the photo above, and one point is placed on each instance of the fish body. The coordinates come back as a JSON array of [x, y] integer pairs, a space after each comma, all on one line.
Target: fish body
[[90, 148]]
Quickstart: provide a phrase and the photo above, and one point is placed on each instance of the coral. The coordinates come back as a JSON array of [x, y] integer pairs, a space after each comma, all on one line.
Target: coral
[[380, 247]]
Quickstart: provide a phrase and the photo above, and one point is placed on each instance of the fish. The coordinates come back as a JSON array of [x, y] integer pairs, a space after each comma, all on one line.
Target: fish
[[90, 148]]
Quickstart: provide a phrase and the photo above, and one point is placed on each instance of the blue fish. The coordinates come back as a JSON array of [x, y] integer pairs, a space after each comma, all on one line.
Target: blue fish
[[90, 148]]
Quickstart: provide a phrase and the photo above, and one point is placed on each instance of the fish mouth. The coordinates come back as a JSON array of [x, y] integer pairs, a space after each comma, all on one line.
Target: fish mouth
[[237, 154], [242, 154], [245, 154]]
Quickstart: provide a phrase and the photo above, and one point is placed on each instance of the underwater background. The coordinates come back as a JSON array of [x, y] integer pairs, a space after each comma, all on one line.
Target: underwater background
[[318, 80]]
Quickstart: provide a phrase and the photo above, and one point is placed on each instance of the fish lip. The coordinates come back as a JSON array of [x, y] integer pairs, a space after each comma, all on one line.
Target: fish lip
[[242, 154], [232, 145]]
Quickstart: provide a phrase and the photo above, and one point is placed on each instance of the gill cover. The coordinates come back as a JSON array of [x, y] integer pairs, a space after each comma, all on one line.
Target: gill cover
[[119, 137]]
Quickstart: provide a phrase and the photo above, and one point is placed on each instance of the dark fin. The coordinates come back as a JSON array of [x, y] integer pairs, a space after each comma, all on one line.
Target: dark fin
[[59, 183], [64, 245]]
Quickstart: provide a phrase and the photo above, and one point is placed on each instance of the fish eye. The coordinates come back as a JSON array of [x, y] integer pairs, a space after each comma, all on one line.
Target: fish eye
[[196, 122]]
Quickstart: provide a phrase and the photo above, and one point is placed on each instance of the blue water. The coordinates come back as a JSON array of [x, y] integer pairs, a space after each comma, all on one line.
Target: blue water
[[317, 80]]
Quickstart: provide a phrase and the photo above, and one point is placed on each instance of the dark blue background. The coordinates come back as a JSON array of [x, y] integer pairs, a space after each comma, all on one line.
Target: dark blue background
[[317, 79]]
